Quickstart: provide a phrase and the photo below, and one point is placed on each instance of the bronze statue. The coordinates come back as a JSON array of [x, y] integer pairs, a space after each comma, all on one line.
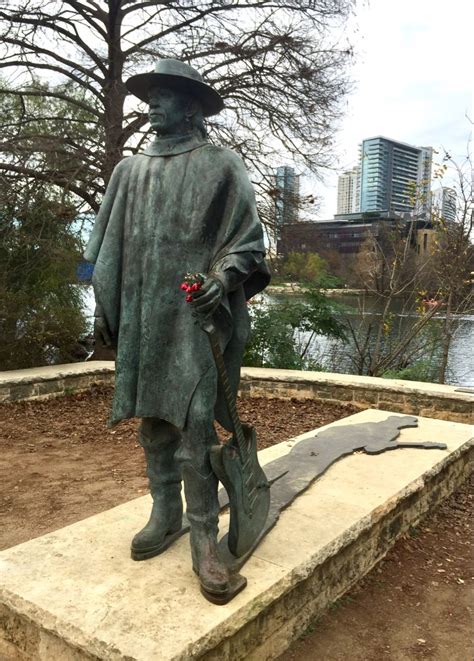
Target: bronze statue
[[182, 206]]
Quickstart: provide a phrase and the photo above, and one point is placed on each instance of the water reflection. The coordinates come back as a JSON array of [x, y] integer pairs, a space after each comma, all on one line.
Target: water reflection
[[337, 356]]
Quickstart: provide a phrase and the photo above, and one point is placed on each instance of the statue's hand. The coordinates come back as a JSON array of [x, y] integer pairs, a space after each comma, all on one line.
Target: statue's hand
[[101, 331], [208, 297]]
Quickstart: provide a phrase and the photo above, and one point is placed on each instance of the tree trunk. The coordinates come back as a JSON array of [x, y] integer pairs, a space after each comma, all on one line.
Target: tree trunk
[[114, 93], [447, 337], [373, 367], [113, 148]]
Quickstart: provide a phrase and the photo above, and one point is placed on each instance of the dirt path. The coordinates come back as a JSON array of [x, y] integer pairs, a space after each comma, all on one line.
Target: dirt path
[[416, 604]]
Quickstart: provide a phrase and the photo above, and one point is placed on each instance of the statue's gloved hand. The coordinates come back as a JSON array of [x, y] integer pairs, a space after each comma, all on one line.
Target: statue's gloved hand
[[101, 331], [206, 300]]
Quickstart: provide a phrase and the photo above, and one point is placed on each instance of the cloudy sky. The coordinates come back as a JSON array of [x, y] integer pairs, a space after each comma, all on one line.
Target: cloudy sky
[[413, 80]]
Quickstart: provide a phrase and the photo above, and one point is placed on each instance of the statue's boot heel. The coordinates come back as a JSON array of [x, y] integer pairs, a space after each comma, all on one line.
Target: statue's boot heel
[[216, 583], [221, 589], [236, 584]]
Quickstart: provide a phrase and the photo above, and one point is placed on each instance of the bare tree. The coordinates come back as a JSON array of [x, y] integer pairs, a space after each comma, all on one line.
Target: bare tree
[[390, 272], [406, 282], [452, 259], [273, 61]]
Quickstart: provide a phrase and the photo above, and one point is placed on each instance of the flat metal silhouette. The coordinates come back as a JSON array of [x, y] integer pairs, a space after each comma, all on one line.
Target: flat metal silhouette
[[291, 474]]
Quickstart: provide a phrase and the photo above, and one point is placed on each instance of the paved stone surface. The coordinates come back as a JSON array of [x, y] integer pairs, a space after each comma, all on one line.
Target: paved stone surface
[[75, 593]]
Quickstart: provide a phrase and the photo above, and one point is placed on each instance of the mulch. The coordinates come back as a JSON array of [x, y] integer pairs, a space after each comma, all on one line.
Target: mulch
[[60, 463]]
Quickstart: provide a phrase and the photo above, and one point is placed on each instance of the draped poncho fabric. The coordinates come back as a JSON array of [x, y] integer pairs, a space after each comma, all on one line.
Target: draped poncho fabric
[[190, 209]]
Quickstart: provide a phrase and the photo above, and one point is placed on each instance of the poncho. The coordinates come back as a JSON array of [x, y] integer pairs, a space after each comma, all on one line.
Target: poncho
[[181, 206]]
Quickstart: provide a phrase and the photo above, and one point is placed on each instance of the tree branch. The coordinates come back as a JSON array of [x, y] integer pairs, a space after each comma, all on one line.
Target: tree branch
[[99, 14], [36, 50], [54, 178], [52, 23], [54, 95]]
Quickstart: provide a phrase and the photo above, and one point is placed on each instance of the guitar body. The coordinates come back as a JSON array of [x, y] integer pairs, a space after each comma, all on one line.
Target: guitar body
[[247, 488]]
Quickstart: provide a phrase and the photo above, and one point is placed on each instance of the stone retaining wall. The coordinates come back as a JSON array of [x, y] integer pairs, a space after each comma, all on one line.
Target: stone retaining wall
[[426, 399], [412, 397], [43, 382]]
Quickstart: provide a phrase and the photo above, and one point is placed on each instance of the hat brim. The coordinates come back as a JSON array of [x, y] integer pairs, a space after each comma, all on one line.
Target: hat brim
[[141, 84]]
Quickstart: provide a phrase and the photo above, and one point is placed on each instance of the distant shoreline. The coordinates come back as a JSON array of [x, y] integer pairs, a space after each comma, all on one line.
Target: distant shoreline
[[294, 288]]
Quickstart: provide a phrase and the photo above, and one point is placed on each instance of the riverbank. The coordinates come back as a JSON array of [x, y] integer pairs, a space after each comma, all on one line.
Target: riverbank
[[361, 312], [294, 288]]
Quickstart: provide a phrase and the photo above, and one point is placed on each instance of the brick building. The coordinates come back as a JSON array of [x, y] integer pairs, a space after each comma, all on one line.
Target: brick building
[[340, 236]]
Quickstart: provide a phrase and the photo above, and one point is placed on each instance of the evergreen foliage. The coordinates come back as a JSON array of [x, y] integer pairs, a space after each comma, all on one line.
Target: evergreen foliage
[[41, 318]]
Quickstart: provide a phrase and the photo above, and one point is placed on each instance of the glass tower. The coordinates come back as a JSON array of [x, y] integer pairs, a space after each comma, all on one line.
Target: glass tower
[[287, 198], [444, 203], [395, 177]]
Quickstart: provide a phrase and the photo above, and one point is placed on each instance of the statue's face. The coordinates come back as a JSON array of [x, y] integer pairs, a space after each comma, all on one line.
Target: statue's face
[[168, 111]]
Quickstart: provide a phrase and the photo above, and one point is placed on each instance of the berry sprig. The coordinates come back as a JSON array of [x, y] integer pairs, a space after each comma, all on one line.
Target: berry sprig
[[192, 282]]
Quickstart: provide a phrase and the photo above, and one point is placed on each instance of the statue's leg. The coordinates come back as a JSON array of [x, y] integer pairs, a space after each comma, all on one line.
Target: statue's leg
[[160, 440], [200, 485]]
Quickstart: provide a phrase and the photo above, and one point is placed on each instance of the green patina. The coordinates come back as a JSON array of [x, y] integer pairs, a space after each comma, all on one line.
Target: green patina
[[182, 206]]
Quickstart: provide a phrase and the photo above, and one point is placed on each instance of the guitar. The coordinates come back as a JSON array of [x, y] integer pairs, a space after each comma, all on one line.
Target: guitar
[[236, 465]]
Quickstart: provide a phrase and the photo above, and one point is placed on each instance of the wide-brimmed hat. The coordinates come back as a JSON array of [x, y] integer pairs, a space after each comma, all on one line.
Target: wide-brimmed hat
[[177, 74]]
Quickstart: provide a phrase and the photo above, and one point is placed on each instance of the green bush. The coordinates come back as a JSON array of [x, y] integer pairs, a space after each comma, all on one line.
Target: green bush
[[282, 332], [308, 268], [419, 371]]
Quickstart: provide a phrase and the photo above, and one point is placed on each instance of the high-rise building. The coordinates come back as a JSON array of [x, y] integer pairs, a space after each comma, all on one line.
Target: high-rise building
[[423, 201], [287, 198], [444, 203], [395, 177], [348, 191]]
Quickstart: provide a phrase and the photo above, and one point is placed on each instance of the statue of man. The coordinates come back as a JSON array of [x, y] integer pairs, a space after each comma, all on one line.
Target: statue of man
[[182, 206]]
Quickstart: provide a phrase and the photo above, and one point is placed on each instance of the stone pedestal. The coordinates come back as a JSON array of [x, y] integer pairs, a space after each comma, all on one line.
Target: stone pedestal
[[75, 594]]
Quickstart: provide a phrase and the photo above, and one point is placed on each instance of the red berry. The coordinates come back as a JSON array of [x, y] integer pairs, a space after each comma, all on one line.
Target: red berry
[[188, 298]]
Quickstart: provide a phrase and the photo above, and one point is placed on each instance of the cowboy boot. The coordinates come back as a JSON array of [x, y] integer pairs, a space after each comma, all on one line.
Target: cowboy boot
[[202, 513], [165, 522]]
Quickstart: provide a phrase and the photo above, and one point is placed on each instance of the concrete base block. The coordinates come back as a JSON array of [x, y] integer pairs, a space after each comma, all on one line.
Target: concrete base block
[[75, 594]]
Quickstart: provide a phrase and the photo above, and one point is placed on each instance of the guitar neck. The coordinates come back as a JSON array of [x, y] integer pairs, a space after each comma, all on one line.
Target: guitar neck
[[210, 329]]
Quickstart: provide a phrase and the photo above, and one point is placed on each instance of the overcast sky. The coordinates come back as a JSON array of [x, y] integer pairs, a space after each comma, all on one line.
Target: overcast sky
[[413, 79]]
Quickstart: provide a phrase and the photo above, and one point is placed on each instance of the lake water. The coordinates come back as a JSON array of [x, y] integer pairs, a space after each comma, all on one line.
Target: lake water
[[334, 355]]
